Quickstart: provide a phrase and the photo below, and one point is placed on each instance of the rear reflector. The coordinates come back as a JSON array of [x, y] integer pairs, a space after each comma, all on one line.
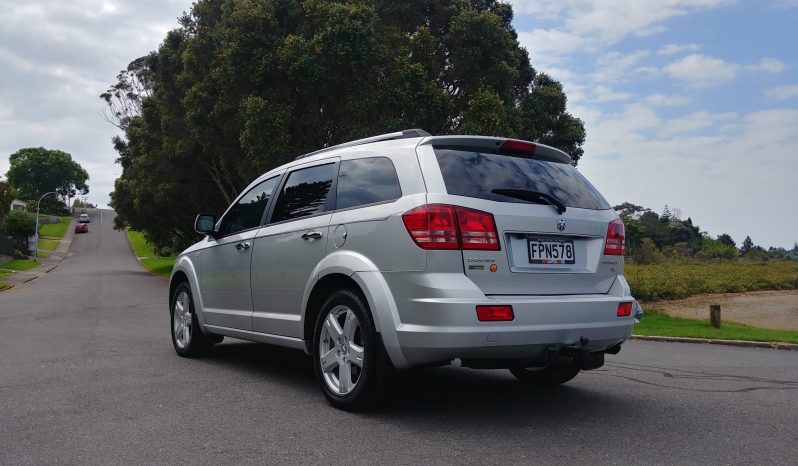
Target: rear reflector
[[514, 146], [495, 313], [614, 246], [442, 226], [624, 309]]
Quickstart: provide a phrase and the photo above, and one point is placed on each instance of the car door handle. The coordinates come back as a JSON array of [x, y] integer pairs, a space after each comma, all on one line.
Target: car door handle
[[311, 235], [242, 246]]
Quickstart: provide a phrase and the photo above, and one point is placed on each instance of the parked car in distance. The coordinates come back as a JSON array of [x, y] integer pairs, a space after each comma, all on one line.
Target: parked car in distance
[[408, 250], [81, 228], [84, 218]]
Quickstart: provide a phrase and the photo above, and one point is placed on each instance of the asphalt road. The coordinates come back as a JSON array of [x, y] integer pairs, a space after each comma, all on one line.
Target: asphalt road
[[88, 376]]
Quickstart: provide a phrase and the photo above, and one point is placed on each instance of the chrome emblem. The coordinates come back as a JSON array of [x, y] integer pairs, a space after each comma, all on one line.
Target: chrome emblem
[[561, 225]]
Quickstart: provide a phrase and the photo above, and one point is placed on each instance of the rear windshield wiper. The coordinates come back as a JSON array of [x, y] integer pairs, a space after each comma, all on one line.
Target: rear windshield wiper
[[532, 196]]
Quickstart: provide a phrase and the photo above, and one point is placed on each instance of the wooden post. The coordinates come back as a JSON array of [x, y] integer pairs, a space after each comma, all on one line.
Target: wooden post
[[714, 315]]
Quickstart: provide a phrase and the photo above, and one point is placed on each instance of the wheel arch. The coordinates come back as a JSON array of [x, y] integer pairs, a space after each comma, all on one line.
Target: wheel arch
[[184, 271], [348, 269]]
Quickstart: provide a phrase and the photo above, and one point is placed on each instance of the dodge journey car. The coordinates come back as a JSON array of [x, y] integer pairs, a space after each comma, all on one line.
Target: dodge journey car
[[408, 250]]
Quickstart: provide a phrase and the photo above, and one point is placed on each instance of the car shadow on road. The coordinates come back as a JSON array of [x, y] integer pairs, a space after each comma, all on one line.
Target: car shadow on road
[[437, 393], [276, 364]]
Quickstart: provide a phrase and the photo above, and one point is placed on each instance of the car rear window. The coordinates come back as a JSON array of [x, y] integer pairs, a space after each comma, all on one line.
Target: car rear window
[[367, 181], [476, 174]]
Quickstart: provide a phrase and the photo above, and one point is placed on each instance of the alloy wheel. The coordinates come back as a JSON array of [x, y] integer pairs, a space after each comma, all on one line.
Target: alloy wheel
[[341, 351]]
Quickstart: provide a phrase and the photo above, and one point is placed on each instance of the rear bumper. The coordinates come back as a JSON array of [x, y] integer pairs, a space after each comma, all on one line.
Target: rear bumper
[[441, 328], [538, 328]]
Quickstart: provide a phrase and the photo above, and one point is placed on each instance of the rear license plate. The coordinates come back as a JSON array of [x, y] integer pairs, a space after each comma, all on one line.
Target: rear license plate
[[551, 251]]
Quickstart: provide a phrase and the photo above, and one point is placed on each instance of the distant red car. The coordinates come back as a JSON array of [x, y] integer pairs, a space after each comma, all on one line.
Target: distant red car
[[82, 228]]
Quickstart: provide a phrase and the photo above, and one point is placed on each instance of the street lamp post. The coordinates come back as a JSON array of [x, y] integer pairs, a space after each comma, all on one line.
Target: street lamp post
[[36, 234]]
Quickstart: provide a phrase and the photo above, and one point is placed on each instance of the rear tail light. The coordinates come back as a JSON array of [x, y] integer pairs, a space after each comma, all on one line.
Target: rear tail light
[[477, 229], [495, 313], [624, 309], [615, 238], [432, 226], [441, 226]]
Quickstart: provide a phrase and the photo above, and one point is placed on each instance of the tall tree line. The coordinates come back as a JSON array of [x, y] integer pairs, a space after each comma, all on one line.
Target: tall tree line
[[242, 86]]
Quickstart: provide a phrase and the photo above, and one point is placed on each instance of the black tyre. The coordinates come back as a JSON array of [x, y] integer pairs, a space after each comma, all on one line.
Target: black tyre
[[347, 355], [187, 336], [545, 376]]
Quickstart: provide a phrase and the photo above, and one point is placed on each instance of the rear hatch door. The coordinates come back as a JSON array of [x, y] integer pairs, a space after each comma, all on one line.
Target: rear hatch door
[[551, 223]]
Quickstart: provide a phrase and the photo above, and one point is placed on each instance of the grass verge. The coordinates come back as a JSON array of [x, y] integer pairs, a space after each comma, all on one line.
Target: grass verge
[[51, 244], [17, 264], [55, 230], [657, 324], [147, 256], [677, 279]]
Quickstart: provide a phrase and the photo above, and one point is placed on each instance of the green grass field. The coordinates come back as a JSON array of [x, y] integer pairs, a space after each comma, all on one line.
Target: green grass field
[[658, 324], [55, 230], [146, 254], [680, 279]]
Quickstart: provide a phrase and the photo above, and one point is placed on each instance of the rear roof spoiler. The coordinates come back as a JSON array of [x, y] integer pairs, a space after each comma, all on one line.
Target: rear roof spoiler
[[405, 134], [491, 145]]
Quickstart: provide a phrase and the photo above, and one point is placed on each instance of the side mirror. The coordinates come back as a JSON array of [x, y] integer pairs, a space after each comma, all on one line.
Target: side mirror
[[204, 224]]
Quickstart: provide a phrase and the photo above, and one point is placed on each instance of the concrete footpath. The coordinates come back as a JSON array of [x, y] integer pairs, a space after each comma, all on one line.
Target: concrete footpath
[[47, 264]]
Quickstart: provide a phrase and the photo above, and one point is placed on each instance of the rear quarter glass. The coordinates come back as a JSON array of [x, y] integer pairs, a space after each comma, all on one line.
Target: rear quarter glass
[[476, 174]]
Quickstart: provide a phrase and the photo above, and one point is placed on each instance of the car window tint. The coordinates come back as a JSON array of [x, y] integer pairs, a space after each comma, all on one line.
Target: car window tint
[[304, 193], [476, 174], [247, 212], [366, 181]]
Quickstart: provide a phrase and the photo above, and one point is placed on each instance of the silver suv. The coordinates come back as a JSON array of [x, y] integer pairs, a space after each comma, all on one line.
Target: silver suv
[[408, 250]]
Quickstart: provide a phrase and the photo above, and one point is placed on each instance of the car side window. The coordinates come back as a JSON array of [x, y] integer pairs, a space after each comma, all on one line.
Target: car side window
[[247, 212], [304, 193], [367, 181]]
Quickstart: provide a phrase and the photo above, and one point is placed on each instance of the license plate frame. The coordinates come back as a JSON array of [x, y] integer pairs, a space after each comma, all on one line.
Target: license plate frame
[[557, 246]]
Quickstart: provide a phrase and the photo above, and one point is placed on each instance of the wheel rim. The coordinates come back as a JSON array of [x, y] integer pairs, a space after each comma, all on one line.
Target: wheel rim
[[341, 351], [181, 320]]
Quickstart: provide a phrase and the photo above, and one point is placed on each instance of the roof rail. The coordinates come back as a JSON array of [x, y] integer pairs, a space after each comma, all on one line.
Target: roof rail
[[405, 134]]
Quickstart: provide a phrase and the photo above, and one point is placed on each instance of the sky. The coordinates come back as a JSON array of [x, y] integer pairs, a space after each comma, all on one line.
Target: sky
[[689, 103]]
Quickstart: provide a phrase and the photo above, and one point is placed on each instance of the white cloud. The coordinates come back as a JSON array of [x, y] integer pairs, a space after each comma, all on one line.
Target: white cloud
[[702, 71], [770, 65], [695, 122], [671, 49], [605, 94], [56, 58], [547, 46], [715, 176], [615, 65], [662, 100], [784, 92], [609, 21]]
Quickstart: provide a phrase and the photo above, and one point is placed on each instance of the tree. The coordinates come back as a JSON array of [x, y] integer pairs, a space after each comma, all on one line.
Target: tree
[[627, 210], [666, 214], [727, 240], [748, 244], [7, 195], [20, 225], [34, 171], [241, 87]]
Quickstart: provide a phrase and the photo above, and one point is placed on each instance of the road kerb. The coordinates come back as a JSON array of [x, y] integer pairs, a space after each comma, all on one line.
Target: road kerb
[[743, 343]]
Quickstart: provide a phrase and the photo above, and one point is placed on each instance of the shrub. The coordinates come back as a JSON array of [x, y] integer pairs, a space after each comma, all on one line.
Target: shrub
[[647, 253]]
